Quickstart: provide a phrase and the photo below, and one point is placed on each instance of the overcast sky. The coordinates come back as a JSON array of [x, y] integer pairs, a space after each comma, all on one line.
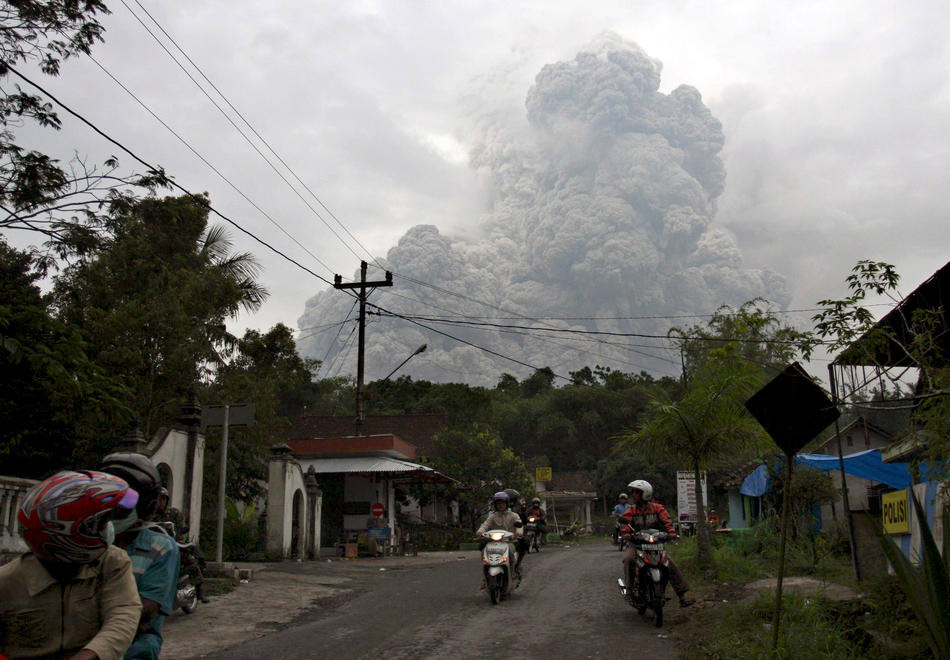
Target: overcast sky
[[835, 118]]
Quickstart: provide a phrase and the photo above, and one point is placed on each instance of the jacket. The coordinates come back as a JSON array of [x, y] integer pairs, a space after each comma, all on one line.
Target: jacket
[[502, 520], [649, 515], [98, 609]]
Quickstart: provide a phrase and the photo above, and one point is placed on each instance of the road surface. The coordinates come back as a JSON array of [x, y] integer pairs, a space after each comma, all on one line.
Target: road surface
[[567, 607]]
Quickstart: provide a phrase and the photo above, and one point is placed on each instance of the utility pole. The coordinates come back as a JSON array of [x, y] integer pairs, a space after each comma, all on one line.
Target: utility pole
[[362, 295]]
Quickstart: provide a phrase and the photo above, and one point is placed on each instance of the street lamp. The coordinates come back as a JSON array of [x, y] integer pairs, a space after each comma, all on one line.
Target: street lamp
[[421, 349]]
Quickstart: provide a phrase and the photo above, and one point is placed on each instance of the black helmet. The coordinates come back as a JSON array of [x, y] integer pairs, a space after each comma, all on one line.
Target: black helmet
[[514, 497], [141, 475]]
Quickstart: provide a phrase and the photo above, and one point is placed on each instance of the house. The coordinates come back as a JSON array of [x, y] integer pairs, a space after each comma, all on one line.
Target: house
[[359, 477], [871, 429], [567, 499], [883, 350]]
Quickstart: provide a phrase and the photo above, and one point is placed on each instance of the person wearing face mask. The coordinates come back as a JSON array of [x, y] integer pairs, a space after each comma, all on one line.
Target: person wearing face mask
[[72, 595], [154, 554]]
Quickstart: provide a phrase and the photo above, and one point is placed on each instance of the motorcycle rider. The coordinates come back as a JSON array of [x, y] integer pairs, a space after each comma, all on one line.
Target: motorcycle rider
[[71, 570], [619, 509], [516, 504], [154, 554], [646, 514], [501, 518], [540, 518]]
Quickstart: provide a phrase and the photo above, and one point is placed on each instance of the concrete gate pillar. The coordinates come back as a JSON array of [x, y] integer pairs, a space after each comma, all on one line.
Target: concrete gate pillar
[[314, 510]]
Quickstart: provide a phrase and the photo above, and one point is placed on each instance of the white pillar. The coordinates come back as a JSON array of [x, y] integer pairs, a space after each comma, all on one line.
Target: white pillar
[[391, 506], [587, 514]]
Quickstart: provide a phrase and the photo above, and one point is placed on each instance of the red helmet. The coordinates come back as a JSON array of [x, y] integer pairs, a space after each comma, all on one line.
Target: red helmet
[[65, 518]]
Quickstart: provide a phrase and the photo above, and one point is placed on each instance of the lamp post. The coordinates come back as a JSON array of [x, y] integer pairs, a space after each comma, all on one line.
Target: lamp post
[[421, 349]]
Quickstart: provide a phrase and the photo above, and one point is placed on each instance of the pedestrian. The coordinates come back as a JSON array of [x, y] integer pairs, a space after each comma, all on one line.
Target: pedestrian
[[154, 554], [72, 595]]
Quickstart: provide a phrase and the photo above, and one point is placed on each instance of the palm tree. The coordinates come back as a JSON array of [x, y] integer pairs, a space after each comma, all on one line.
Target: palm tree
[[707, 426]]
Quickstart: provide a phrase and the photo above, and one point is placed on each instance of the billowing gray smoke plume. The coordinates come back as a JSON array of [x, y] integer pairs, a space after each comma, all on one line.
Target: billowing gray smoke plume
[[602, 206]]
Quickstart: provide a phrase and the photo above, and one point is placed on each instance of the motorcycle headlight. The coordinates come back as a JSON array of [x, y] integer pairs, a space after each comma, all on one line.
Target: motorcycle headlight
[[497, 536]]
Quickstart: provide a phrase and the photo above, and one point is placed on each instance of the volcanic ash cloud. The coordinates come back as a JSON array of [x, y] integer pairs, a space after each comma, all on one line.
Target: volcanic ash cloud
[[602, 205]]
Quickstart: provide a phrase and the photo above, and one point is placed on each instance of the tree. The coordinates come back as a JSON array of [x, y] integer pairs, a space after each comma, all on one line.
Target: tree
[[704, 428], [37, 193], [151, 298], [267, 371], [479, 460], [758, 335], [50, 388]]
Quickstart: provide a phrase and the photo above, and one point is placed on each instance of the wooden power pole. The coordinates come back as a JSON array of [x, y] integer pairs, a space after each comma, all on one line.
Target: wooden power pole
[[362, 295]]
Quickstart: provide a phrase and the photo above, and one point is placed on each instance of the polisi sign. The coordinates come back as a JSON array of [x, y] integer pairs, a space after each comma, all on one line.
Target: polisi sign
[[895, 514]]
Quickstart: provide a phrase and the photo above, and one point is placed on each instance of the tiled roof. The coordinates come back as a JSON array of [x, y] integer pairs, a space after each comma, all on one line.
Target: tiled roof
[[417, 430]]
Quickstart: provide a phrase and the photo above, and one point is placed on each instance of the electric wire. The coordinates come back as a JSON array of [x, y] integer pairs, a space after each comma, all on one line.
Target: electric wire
[[239, 130], [344, 351], [206, 162], [574, 331], [333, 342], [550, 340], [171, 182], [474, 345]]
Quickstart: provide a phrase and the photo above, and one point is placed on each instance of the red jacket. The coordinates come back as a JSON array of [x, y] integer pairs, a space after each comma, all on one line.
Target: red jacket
[[649, 515]]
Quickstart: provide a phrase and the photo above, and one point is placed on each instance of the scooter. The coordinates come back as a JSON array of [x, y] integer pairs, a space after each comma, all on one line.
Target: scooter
[[532, 534], [646, 588], [498, 560]]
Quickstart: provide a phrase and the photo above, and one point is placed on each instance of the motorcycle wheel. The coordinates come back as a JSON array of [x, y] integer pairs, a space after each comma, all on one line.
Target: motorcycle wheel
[[493, 589], [189, 599], [656, 602]]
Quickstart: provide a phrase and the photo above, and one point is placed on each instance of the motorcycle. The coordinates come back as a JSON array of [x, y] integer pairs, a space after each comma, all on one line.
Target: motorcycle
[[623, 532], [646, 588], [190, 588], [498, 559], [532, 534]]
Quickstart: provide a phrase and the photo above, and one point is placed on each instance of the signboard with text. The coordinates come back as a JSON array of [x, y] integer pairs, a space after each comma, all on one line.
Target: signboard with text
[[895, 513], [542, 474], [686, 495]]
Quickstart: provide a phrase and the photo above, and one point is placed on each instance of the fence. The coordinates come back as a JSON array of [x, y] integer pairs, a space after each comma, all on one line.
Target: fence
[[12, 491]]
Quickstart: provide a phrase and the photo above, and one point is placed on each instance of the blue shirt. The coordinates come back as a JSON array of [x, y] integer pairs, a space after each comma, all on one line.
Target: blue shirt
[[155, 564], [619, 509]]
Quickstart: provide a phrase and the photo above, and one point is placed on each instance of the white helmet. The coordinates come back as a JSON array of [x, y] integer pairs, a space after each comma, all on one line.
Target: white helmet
[[643, 486]]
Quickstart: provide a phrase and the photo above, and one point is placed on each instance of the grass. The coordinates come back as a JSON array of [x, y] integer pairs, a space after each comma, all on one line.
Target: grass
[[736, 623]]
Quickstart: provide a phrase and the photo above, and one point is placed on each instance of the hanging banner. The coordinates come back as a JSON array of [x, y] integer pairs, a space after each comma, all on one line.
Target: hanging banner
[[895, 514], [686, 495]]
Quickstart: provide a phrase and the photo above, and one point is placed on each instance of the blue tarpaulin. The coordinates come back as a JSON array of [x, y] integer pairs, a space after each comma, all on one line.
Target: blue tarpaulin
[[866, 464]]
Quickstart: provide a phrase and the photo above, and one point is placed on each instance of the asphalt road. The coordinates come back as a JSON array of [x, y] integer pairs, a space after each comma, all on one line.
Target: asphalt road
[[567, 607]]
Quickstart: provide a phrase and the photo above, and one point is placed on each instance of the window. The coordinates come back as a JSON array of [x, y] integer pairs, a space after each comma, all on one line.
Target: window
[[850, 441]]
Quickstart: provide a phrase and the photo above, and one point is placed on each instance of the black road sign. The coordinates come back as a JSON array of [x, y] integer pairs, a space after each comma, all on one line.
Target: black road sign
[[792, 408]]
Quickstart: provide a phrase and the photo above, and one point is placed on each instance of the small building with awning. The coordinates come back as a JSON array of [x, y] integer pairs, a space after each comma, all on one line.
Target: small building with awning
[[358, 476]]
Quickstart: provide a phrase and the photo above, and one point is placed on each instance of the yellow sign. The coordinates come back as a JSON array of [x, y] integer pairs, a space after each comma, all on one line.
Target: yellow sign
[[542, 474], [895, 513]]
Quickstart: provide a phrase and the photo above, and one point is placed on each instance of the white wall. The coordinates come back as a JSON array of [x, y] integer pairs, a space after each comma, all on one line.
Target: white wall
[[173, 452]]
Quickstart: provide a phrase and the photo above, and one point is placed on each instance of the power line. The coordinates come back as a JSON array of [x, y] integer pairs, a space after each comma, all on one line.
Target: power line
[[333, 343], [473, 345], [238, 128], [609, 333], [547, 339], [205, 161], [171, 182], [347, 347]]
